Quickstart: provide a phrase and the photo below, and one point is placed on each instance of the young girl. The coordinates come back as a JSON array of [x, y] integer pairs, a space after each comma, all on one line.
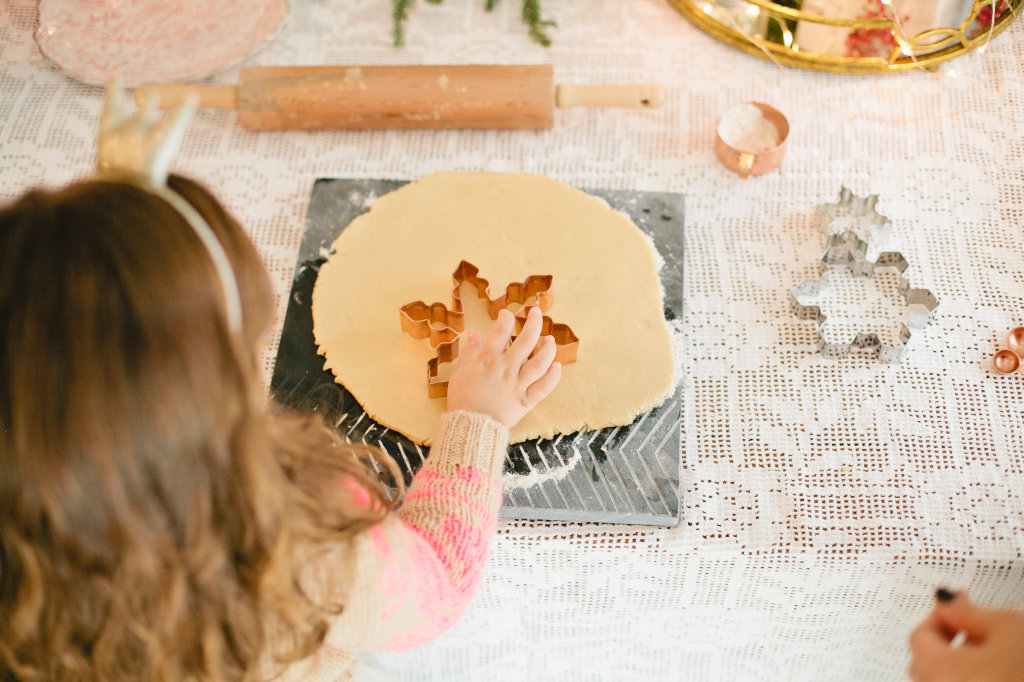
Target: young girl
[[158, 521]]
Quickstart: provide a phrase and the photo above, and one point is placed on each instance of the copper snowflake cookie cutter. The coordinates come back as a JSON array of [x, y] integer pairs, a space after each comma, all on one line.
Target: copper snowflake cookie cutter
[[443, 324]]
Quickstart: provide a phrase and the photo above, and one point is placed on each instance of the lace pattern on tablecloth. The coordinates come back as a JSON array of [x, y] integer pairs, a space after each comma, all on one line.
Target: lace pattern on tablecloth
[[823, 499]]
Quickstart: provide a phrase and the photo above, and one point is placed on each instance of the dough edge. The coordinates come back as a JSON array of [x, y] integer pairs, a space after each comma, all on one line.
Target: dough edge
[[528, 429]]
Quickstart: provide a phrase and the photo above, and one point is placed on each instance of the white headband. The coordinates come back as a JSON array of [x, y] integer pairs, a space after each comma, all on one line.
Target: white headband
[[228, 282], [138, 150]]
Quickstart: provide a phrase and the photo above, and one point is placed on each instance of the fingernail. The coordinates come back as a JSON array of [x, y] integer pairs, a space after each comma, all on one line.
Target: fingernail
[[944, 595]]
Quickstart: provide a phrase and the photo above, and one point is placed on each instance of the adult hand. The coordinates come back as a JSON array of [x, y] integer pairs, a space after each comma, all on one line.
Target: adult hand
[[502, 381], [993, 650]]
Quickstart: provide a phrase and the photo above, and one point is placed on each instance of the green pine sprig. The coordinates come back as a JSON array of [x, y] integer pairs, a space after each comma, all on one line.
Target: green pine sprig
[[536, 22], [399, 15], [532, 17]]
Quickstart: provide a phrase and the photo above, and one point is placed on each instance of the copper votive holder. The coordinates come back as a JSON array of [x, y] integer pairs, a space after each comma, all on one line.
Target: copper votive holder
[[747, 162]]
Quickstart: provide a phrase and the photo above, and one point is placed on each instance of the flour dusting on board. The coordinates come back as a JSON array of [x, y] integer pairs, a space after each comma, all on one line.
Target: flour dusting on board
[[675, 331], [360, 199], [514, 480]]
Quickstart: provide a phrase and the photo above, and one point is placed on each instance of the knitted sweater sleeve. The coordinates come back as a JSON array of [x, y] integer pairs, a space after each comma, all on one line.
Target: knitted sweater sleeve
[[417, 570]]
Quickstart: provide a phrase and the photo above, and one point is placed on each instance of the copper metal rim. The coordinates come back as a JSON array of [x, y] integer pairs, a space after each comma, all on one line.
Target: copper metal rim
[[746, 164], [1015, 340], [443, 324], [1006, 361]]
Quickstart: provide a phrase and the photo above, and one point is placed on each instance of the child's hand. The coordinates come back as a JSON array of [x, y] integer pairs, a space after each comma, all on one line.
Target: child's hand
[[992, 652], [504, 384]]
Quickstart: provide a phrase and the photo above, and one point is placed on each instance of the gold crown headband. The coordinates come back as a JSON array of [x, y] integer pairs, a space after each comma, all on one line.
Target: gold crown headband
[[138, 151]]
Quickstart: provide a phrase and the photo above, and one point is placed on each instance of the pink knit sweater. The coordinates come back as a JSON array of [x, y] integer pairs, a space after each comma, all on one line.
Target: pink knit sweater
[[417, 570]]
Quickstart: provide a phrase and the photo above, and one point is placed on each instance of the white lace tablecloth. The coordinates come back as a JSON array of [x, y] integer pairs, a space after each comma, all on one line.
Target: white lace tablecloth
[[823, 500]]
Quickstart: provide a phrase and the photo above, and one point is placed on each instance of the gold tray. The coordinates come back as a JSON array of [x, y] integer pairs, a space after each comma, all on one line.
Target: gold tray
[[924, 50]]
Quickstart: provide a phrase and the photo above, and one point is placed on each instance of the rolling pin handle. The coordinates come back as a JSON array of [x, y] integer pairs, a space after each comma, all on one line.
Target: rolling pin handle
[[170, 96], [636, 96]]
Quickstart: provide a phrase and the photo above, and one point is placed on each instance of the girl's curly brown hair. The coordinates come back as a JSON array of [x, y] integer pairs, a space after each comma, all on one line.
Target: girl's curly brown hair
[[156, 518]]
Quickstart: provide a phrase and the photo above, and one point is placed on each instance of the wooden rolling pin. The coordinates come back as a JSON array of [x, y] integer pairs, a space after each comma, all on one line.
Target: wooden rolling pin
[[323, 97]]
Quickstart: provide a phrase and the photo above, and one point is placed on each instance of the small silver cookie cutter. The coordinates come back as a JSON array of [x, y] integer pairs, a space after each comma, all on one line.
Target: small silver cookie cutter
[[856, 232]]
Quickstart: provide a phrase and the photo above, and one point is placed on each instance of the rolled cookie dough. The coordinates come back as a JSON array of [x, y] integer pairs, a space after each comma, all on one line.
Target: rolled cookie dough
[[405, 248]]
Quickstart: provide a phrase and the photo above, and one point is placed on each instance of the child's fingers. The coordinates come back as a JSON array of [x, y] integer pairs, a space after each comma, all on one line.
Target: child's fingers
[[534, 368], [500, 333], [524, 344], [469, 347], [541, 388]]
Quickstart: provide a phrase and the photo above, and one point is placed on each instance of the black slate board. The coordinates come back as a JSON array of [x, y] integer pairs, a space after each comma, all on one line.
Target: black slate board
[[627, 474]]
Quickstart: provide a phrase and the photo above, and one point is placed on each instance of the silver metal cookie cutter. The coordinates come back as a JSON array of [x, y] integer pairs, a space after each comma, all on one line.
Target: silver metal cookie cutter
[[856, 233]]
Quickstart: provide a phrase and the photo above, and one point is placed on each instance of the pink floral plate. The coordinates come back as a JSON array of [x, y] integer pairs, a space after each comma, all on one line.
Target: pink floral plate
[[154, 40]]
